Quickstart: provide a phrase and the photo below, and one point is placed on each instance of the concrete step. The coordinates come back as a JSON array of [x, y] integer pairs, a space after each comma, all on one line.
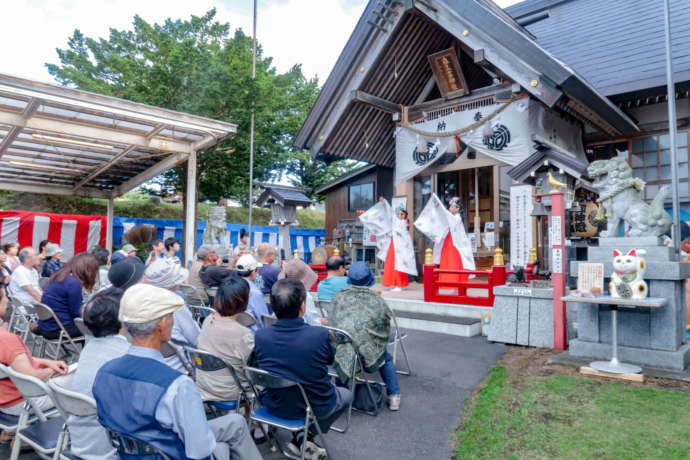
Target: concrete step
[[436, 308], [439, 323]]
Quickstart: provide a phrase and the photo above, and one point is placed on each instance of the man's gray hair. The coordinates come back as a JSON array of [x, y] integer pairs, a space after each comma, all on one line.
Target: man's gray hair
[[203, 251], [142, 329], [25, 254], [264, 249]]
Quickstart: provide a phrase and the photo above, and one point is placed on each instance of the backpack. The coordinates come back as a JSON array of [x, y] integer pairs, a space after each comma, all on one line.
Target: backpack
[[362, 401]]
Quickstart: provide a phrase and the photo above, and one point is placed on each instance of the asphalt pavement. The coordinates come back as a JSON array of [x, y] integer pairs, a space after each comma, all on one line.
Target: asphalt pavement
[[445, 371]]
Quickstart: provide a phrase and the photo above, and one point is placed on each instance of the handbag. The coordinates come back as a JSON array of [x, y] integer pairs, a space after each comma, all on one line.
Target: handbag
[[363, 402]]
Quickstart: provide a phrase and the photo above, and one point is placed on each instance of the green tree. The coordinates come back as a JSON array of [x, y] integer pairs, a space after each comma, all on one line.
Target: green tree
[[197, 66]]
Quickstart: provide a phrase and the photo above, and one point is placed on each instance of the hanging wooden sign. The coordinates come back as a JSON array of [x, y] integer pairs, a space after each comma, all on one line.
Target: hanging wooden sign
[[449, 77]]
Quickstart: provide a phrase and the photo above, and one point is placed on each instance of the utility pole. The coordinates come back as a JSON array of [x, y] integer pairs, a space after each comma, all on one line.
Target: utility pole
[[251, 131]]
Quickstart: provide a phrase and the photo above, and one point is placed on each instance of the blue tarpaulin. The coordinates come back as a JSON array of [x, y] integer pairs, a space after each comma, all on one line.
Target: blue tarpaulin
[[302, 239]]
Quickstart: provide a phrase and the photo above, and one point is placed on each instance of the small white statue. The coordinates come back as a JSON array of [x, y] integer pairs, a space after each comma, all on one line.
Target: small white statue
[[627, 279]]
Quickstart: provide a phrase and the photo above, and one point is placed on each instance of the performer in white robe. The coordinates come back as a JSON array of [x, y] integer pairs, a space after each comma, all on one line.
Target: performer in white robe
[[452, 247], [393, 243]]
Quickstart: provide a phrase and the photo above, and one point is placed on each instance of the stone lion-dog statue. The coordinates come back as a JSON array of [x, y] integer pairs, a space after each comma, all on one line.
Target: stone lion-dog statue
[[619, 200]]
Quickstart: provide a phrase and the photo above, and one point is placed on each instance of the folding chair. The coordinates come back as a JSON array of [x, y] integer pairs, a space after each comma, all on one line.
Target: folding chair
[[268, 320], [83, 328], [208, 362], [267, 380], [43, 281], [246, 319], [19, 318], [7, 422], [45, 313], [211, 292], [188, 290], [341, 337], [128, 447], [44, 434], [70, 402], [324, 306], [200, 312], [398, 338], [169, 349]]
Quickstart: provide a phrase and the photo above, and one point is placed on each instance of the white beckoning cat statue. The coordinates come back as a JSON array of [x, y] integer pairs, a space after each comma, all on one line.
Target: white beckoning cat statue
[[627, 279]]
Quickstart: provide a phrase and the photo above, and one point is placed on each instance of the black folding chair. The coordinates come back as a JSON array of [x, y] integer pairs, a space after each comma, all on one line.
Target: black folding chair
[[267, 380], [268, 320], [208, 362], [169, 349], [129, 447]]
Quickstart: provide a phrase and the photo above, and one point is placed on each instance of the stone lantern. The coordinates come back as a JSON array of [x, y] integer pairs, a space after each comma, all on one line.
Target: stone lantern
[[283, 201]]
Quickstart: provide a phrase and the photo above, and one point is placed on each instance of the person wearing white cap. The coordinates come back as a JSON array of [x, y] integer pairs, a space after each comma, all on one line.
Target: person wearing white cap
[[247, 267], [139, 396], [165, 274], [53, 262]]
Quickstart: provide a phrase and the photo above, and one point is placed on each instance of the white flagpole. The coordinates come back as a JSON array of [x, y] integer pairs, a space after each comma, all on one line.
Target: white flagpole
[[251, 133]]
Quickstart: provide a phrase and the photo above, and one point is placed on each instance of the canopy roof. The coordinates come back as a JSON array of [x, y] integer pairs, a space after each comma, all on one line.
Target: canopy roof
[[65, 141]]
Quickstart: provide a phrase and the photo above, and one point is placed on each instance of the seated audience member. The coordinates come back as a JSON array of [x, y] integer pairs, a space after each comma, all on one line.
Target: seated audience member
[[102, 256], [15, 354], [205, 256], [88, 439], [247, 268], [42, 247], [156, 250], [297, 269], [292, 349], [127, 273], [243, 245], [363, 314], [266, 255], [172, 247], [141, 397], [12, 251], [63, 294], [226, 338], [5, 273], [337, 278], [168, 275], [53, 261], [129, 250], [24, 280]]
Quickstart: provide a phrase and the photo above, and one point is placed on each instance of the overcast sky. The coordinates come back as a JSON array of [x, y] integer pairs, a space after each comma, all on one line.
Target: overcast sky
[[310, 32]]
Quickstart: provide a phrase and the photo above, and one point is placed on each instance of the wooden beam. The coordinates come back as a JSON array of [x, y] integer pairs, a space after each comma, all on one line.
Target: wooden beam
[[96, 134], [55, 190], [416, 111], [103, 167], [153, 171], [160, 127], [375, 101]]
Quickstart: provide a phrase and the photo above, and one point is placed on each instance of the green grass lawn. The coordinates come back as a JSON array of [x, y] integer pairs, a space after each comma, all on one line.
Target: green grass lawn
[[560, 416]]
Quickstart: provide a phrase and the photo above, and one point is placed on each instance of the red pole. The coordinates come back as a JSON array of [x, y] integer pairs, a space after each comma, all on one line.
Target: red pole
[[560, 334]]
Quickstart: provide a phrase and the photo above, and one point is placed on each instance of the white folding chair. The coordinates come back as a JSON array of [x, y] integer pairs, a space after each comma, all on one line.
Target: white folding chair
[[45, 313], [70, 403], [45, 434]]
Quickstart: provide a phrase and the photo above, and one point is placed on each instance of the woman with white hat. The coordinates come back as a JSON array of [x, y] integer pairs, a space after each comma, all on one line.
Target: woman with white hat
[[168, 275], [53, 260]]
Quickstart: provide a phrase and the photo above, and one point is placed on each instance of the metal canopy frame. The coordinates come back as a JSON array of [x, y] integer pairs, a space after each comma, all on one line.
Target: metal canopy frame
[[64, 141]]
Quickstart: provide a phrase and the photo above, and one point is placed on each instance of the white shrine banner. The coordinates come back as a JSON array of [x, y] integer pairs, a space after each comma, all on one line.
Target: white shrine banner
[[520, 224], [508, 137]]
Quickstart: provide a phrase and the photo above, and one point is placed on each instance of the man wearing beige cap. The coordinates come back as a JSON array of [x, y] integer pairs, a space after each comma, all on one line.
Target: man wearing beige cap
[[139, 396]]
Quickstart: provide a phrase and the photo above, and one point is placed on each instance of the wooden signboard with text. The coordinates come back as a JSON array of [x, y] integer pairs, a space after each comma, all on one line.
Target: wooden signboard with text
[[449, 77]]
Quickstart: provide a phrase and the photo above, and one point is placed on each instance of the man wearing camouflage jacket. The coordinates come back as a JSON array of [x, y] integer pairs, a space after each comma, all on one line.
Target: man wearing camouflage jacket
[[363, 314]]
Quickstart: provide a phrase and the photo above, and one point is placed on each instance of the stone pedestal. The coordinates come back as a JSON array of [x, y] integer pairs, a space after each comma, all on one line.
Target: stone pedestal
[[648, 337], [523, 316]]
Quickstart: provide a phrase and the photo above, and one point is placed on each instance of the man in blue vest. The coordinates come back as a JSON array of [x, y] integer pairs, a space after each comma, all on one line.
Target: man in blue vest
[[139, 396]]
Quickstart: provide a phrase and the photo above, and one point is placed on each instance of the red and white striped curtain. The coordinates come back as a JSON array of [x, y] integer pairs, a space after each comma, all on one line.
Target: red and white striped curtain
[[74, 233]]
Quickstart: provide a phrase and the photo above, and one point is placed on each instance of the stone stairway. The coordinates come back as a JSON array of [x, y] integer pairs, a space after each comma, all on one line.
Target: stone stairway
[[453, 319]]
